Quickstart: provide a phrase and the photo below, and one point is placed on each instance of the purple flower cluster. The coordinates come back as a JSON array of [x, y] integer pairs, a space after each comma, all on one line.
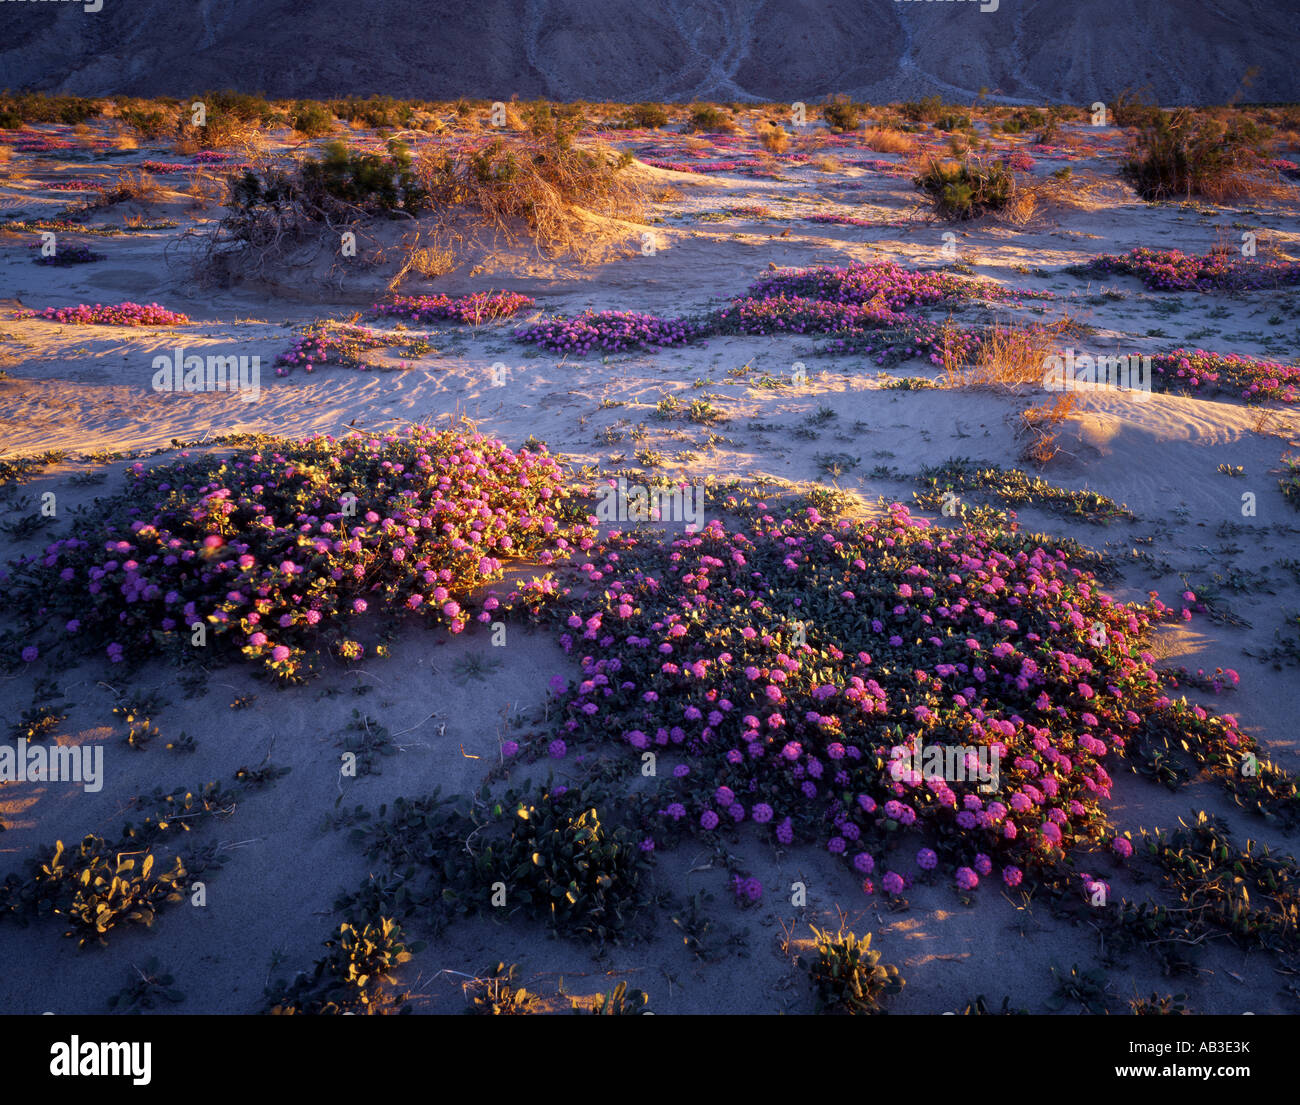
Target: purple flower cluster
[[610, 332], [1172, 270], [1197, 371], [896, 286], [117, 314], [274, 550], [327, 343], [473, 309], [981, 638]]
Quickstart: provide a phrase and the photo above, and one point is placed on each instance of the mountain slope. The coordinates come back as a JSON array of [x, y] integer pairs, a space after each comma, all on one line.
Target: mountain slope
[[1194, 51]]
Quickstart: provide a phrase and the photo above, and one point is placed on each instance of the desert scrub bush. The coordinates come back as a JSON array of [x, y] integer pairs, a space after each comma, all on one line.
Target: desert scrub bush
[[20, 108], [886, 140], [773, 138], [149, 124], [369, 182], [645, 116], [847, 974], [271, 211], [1187, 153], [709, 118], [1022, 120], [925, 110], [375, 112], [952, 121], [355, 977], [230, 118], [965, 189], [543, 182], [311, 119], [841, 115], [273, 549]]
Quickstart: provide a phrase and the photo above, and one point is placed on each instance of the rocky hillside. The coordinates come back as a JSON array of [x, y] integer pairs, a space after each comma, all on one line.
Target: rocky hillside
[[1193, 51]]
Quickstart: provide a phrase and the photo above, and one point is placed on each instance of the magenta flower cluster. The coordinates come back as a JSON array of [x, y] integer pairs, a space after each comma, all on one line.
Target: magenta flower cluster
[[273, 552], [473, 309], [1198, 371], [925, 636], [1172, 270], [117, 314], [610, 332]]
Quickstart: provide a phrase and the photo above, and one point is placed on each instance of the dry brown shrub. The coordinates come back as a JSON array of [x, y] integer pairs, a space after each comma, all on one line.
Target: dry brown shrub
[[1009, 357], [886, 140], [1037, 428], [773, 138], [826, 163], [1020, 209], [549, 192], [219, 133], [429, 255]]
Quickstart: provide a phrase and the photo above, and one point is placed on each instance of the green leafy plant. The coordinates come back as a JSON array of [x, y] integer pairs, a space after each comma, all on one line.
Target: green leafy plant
[[967, 188], [146, 988], [496, 994], [355, 977], [619, 1002], [1086, 989], [848, 975]]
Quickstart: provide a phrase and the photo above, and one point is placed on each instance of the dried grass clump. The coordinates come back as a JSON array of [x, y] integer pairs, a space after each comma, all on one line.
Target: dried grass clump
[[1038, 426], [773, 137], [438, 256], [542, 186], [888, 140], [1008, 358]]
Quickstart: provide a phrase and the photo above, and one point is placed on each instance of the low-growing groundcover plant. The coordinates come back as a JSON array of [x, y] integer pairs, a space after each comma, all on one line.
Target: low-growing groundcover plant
[[104, 884], [337, 343], [474, 309], [355, 977], [119, 314], [1199, 372], [270, 552], [848, 975], [553, 854], [788, 668], [862, 303], [1172, 270]]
